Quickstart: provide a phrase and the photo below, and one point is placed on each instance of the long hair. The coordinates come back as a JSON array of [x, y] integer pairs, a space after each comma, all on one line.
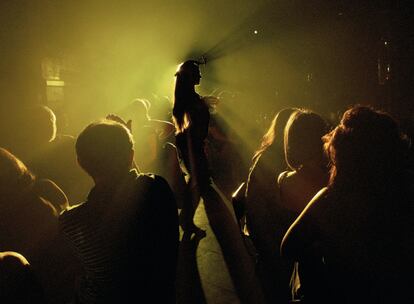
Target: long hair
[[184, 89], [303, 138], [367, 148], [274, 135]]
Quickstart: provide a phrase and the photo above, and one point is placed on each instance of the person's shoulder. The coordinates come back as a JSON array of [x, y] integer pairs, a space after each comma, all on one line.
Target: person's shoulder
[[147, 177], [152, 179], [65, 138], [319, 204], [259, 173], [50, 191], [156, 193], [285, 178], [72, 212], [322, 195], [63, 141]]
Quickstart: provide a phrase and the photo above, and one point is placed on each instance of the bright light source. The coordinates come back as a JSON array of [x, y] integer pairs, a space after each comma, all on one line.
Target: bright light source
[[55, 83], [386, 42], [255, 32]]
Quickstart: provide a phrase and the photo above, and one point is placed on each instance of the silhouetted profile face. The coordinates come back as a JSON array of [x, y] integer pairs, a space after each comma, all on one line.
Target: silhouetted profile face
[[189, 71]]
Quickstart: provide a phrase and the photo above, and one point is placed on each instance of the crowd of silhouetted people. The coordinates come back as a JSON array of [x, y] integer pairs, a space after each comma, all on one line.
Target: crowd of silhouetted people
[[324, 214]]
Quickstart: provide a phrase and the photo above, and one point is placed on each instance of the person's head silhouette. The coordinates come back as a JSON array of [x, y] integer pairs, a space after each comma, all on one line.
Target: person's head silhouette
[[189, 72], [187, 76], [105, 150]]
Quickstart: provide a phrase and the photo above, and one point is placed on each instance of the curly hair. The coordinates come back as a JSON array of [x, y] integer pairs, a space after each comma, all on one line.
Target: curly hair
[[366, 147]]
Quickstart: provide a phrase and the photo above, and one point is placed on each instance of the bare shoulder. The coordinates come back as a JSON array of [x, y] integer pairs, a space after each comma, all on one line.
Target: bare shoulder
[[50, 191], [317, 204], [286, 178]]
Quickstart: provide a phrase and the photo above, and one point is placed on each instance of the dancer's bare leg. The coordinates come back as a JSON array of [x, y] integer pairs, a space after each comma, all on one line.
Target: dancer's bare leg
[[190, 204], [239, 262]]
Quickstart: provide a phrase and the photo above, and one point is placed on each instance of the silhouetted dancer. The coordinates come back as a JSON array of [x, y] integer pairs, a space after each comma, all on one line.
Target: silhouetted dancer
[[191, 117], [126, 233]]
